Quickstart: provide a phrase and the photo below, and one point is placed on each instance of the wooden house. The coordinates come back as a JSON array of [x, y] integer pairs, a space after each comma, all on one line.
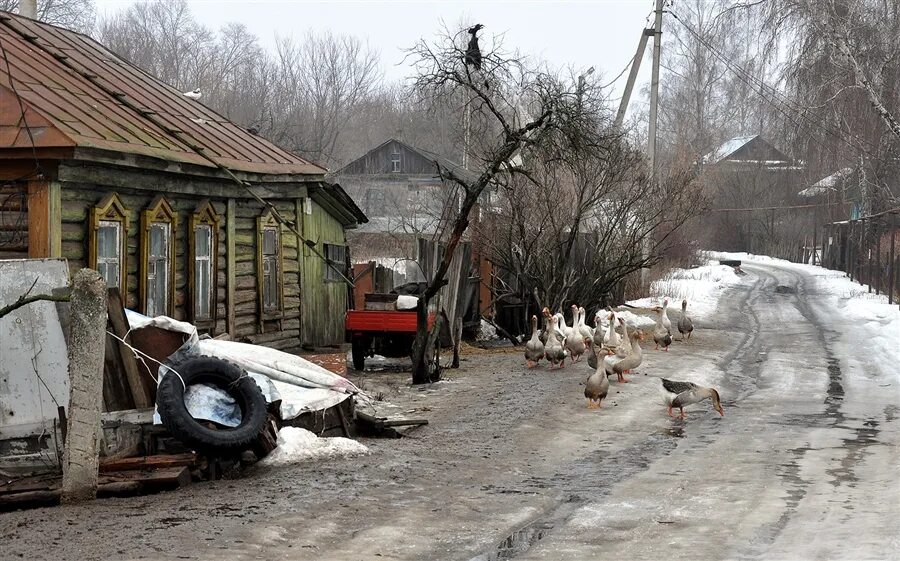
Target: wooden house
[[179, 208], [401, 191]]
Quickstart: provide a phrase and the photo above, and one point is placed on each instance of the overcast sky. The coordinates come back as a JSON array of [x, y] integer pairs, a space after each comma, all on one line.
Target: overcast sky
[[580, 34]]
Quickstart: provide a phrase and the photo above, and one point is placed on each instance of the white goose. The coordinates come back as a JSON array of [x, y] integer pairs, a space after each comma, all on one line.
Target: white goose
[[574, 340], [583, 328], [612, 336], [667, 323]]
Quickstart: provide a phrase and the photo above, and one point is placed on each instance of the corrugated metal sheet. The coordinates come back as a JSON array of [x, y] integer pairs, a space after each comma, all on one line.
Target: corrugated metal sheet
[[79, 94]]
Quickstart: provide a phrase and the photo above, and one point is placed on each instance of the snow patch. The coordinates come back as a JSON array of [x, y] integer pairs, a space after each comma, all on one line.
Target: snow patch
[[297, 445], [867, 325], [701, 287], [487, 332], [635, 321]]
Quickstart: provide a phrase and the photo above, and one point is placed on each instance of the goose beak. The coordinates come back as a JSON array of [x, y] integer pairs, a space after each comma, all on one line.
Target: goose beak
[[721, 411]]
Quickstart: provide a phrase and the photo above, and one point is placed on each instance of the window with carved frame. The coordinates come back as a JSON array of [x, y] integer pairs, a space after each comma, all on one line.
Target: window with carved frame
[[203, 254], [107, 241], [158, 258], [269, 266]]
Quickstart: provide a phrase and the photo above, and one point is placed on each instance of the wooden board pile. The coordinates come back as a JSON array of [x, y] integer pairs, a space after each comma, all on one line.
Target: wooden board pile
[[118, 478]]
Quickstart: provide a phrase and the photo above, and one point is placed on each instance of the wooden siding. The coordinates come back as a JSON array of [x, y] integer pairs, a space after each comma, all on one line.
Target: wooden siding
[[14, 220], [282, 333], [324, 303], [378, 162]]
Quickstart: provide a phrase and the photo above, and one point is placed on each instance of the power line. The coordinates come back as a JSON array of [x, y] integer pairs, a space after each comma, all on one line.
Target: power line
[[787, 207], [12, 85], [780, 101]]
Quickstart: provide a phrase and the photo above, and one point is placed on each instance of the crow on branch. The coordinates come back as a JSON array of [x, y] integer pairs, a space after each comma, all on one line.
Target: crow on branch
[[473, 52]]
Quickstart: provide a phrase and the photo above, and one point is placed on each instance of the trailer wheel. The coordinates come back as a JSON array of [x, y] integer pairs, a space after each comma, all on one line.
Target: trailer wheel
[[358, 350]]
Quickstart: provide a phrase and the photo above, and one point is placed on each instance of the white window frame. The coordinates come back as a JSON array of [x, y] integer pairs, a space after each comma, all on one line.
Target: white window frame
[[200, 262], [159, 304], [103, 263]]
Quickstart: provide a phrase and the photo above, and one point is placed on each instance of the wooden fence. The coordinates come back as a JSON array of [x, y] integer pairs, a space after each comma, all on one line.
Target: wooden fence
[[867, 249]]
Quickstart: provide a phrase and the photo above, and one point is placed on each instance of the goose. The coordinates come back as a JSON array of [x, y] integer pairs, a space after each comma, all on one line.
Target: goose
[[592, 351], [574, 340], [534, 349], [625, 344], [679, 394], [600, 331], [685, 325], [596, 388], [545, 313], [561, 325], [632, 361], [553, 348], [612, 336], [667, 323], [584, 328], [661, 335]]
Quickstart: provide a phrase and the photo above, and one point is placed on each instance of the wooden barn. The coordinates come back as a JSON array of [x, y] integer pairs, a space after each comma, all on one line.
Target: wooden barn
[[115, 170]]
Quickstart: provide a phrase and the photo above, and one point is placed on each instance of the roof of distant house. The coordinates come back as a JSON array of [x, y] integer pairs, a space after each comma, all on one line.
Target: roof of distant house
[[442, 161], [827, 183], [748, 150], [79, 96]]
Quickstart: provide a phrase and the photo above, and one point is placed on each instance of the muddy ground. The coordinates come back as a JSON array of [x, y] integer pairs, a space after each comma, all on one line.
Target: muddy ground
[[513, 465]]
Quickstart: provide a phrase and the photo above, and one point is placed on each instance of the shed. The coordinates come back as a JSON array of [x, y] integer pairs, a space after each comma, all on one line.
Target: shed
[[178, 207]]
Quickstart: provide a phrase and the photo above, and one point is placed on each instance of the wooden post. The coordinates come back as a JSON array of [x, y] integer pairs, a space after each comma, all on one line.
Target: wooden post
[[864, 247], [230, 267], [877, 263], [815, 241], [87, 339], [848, 240], [38, 219], [891, 272]]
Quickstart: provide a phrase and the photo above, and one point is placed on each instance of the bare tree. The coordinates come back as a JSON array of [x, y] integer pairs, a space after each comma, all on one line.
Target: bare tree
[[323, 78], [584, 216], [508, 107], [71, 14]]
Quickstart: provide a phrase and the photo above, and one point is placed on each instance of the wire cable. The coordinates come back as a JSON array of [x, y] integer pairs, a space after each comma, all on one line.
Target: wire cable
[[777, 100]]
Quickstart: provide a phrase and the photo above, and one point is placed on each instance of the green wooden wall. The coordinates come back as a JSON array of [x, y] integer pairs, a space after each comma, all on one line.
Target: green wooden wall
[[323, 303]]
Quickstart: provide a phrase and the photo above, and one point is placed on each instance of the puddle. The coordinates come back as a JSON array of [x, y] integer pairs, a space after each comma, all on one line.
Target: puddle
[[856, 448], [676, 431], [516, 543], [784, 289]]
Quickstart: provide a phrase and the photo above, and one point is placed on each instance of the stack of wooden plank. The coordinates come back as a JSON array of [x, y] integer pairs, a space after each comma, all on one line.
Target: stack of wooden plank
[[122, 477]]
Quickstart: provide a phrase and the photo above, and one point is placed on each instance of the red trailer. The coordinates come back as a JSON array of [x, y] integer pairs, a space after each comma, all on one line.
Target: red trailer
[[385, 332]]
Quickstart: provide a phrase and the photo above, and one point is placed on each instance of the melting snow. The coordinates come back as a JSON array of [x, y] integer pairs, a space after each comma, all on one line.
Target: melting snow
[[867, 324], [297, 445], [700, 286]]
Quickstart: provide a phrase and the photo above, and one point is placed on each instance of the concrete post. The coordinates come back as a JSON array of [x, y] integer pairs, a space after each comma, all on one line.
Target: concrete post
[[87, 339], [28, 8]]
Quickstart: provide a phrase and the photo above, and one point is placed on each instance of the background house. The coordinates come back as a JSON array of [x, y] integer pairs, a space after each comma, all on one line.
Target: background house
[[404, 197], [112, 169], [749, 172]]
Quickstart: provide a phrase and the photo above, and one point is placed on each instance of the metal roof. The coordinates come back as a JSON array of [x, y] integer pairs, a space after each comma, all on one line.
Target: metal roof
[[79, 94]]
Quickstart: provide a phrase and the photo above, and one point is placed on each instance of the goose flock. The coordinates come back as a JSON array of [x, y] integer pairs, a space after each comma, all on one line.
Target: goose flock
[[613, 349]]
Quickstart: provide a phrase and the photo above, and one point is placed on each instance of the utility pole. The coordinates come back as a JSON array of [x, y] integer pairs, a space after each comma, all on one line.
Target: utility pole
[[654, 110], [632, 76], [654, 91]]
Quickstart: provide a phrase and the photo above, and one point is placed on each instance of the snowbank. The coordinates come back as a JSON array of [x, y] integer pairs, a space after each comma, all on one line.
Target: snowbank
[[298, 445], [701, 287], [866, 323]]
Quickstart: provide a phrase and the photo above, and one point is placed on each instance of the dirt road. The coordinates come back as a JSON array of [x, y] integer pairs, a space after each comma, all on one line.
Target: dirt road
[[804, 465]]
